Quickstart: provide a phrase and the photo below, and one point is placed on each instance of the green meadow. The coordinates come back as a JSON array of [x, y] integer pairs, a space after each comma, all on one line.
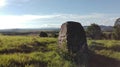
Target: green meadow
[[33, 51]]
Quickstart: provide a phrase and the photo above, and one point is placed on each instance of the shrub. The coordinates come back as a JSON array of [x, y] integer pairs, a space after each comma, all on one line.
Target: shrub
[[43, 34], [94, 31]]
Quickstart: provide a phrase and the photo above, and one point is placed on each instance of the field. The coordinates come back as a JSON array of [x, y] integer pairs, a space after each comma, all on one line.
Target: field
[[33, 51], [105, 53]]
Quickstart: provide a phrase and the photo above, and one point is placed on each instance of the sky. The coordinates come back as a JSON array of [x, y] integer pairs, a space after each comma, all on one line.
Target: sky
[[52, 13]]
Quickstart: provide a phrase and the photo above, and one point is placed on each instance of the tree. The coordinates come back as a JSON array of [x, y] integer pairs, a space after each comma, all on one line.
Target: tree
[[43, 34], [107, 35], [94, 31], [117, 29], [116, 32]]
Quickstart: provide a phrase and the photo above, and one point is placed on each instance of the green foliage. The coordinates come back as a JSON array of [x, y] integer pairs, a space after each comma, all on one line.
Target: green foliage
[[117, 32], [43, 34], [94, 31], [108, 48], [27, 51], [107, 35], [53, 34]]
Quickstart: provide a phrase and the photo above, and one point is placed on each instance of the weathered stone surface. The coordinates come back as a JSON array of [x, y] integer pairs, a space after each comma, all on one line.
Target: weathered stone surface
[[73, 43], [72, 37]]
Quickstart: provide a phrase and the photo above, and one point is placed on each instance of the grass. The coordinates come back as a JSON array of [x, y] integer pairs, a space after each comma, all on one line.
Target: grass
[[28, 51], [108, 48], [105, 53]]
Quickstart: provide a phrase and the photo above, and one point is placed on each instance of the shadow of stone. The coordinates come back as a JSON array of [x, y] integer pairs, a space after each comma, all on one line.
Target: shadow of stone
[[78, 59], [97, 60]]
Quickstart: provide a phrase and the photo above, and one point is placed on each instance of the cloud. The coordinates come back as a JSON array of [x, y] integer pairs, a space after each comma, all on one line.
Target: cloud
[[18, 21], [23, 18], [50, 26], [54, 20], [98, 18], [3, 3], [75, 16]]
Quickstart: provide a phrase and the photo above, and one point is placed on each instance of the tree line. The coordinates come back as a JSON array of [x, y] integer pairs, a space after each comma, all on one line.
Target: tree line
[[94, 32]]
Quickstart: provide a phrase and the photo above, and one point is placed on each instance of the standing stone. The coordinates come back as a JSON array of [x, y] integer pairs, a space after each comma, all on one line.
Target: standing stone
[[73, 35], [72, 40]]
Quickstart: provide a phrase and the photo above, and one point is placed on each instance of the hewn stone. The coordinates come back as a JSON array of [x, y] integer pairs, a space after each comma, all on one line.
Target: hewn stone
[[72, 37], [73, 43]]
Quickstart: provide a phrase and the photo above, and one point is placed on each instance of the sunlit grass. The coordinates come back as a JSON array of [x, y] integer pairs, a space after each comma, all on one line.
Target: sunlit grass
[[29, 51], [108, 48]]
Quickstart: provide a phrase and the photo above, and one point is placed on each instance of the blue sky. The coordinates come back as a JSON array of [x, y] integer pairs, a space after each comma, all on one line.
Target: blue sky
[[52, 13]]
